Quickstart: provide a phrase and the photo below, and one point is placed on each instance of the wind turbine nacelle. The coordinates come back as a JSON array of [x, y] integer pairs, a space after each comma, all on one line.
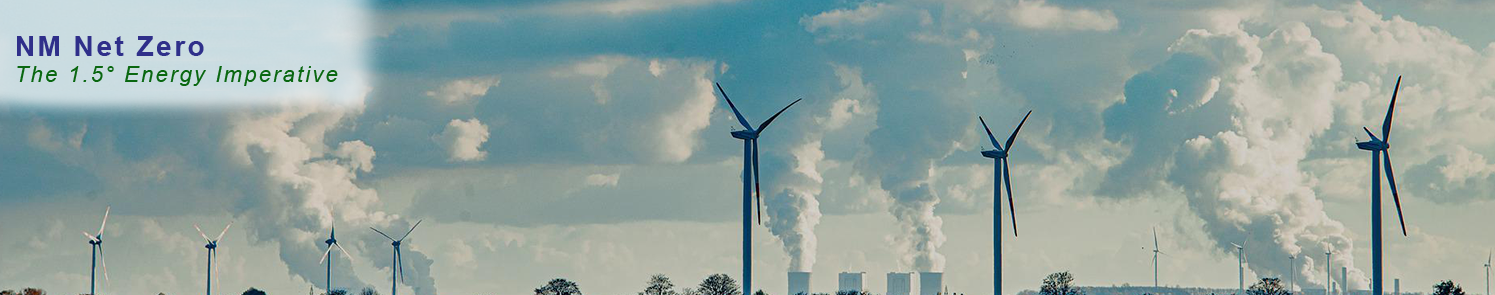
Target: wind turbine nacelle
[[330, 242], [1373, 145], [744, 134], [210, 245], [994, 154]]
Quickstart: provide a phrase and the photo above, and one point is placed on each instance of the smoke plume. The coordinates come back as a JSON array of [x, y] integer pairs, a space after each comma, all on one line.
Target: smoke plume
[[1262, 101], [306, 186]]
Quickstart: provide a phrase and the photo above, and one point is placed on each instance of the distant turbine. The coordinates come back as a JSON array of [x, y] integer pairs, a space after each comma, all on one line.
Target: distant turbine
[[749, 137], [332, 242], [1378, 148], [999, 157], [96, 245], [212, 251], [1155, 252], [397, 269], [1328, 269], [1487, 274], [1241, 264], [1292, 273]]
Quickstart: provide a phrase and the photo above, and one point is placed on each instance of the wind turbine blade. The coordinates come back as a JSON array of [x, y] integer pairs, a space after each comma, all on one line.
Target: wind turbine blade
[[412, 229], [1236, 245], [1372, 135], [400, 264], [990, 137], [1154, 238], [1011, 210], [1391, 179], [90, 237], [1386, 127], [324, 255], [1012, 137], [204, 236], [740, 119], [757, 187], [776, 115], [345, 251], [105, 222], [225, 230], [105, 263], [382, 234]]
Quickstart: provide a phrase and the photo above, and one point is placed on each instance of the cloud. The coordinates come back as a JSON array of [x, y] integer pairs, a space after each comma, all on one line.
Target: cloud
[[463, 140], [603, 179], [463, 90], [1039, 14]]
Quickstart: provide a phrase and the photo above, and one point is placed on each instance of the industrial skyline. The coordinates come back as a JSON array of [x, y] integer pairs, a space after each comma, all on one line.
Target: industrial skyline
[[586, 140]]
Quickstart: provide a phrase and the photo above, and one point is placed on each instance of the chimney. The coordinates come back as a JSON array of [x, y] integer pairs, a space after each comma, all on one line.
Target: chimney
[[850, 281], [931, 282], [899, 283], [799, 283], [1344, 278]]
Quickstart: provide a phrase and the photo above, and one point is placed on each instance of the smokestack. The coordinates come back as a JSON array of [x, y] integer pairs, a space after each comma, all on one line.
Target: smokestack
[[1344, 278], [851, 281], [931, 282], [799, 283], [899, 283]]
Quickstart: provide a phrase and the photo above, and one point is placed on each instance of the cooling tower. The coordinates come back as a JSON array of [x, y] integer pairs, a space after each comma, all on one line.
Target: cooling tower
[[799, 283], [850, 281], [899, 283], [930, 283]]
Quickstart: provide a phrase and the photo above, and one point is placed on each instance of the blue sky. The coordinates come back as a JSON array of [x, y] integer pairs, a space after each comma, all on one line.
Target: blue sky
[[584, 139]]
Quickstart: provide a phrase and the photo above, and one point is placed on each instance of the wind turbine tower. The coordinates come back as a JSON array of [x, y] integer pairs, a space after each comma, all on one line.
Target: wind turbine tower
[[1378, 149], [96, 245], [1328, 269], [212, 247], [1155, 252], [397, 268], [332, 242], [1241, 265], [998, 154], [749, 137]]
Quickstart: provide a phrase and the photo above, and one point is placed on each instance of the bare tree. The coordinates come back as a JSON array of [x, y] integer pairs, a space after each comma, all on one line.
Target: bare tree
[[368, 291], [1447, 288], [559, 286], [1268, 286], [1059, 283], [719, 284], [253, 291], [659, 285]]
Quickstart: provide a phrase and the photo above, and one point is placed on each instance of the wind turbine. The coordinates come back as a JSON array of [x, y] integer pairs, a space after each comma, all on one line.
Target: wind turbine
[[998, 154], [1487, 274], [1292, 272], [749, 137], [1378, 148], [96, 245], [398, 268], [1155, 252], [1241, 264], [212, 251], [1328, 269], [332, 242]]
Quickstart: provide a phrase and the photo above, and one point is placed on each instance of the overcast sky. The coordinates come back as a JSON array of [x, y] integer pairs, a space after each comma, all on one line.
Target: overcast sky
[[584, 139]]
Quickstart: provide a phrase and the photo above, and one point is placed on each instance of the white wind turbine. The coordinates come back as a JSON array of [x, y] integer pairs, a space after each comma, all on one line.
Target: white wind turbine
[[212, 247], [332, 242], [749, 137], [397, 268], [1241, 264], [1155, 252], [998, 154], [1378, 148], [96, 245]]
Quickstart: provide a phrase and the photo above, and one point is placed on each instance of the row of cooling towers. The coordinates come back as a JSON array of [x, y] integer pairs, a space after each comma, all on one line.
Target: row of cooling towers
[[899, 283]]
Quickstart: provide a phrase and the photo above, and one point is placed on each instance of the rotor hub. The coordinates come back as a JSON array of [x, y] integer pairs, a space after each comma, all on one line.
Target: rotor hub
[[744, 134], [1373, 145]]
